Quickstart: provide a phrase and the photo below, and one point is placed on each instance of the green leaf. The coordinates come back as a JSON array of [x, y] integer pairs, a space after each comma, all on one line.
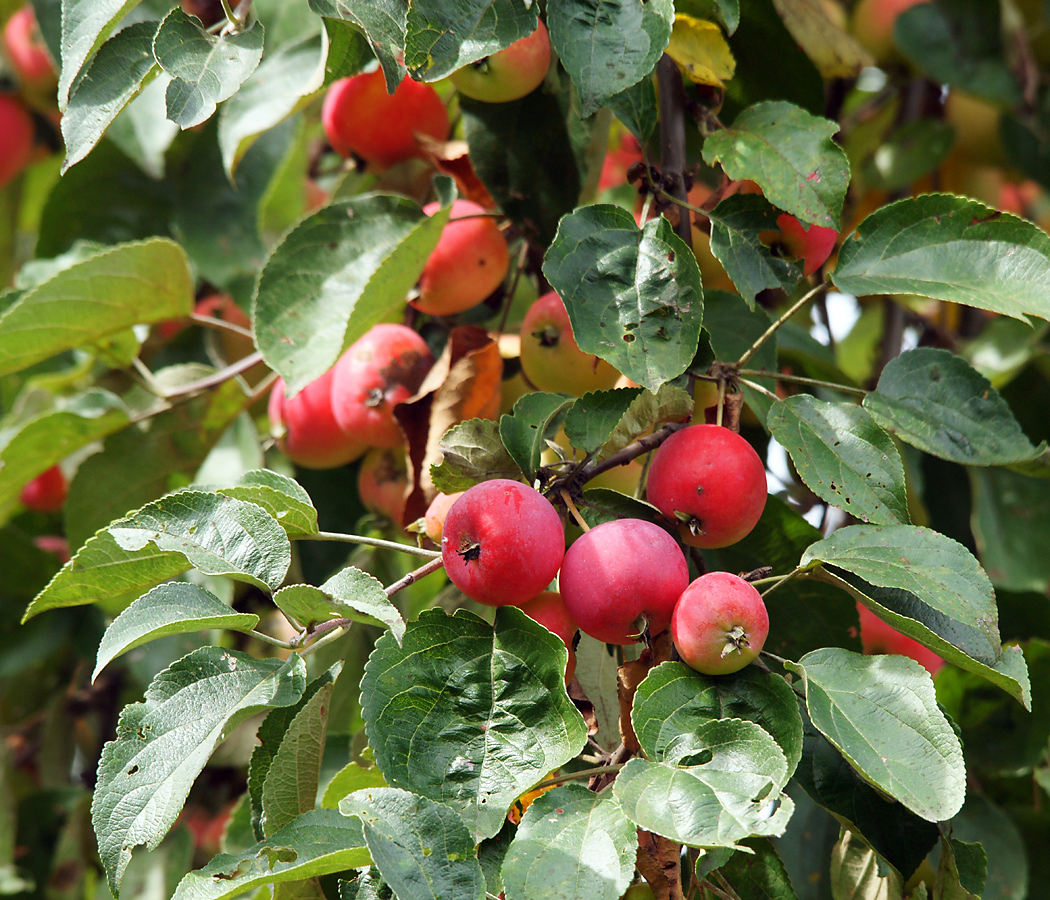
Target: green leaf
[[336, 275], [571, 843], [633, 296], [949, 248], [352, 777], [31, 447], [383, 23], [737, 226], [470, 714], [605, 422], [604, 505], [1011, 523], [442, 37], [881, 713], [286, 80], [360, 596], [216, 534], [122, 67], [348, 50], [608, 46], [910, 152], [596, 667], [172, 608], [843, 457], [758, 875], [146, 281], [162, 744], [963, 869], [636, 108], [674, 702], [856, 871], [733, 328], [790, 154], [282, 497], [535, 418], [319, 842], [725, 789], [205, 69], [85, 26], [422, 849], [472, 452], [936, 401]]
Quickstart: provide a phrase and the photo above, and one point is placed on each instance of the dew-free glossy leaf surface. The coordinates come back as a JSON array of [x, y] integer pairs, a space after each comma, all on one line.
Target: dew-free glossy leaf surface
[[85, 25], [282, 497], [534, 419], [383, 23]]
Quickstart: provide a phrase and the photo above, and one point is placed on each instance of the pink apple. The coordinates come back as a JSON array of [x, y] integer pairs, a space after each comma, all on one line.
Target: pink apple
[[511, 73], [719, 624]]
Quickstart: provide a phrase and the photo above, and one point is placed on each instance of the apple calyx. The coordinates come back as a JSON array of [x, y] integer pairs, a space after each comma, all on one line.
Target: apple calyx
[[471, 552], [736, 640], [695, 526], [548, 336]]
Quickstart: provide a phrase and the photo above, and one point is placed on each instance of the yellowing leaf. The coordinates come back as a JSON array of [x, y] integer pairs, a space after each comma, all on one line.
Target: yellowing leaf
[[701, 51], [825, 41]]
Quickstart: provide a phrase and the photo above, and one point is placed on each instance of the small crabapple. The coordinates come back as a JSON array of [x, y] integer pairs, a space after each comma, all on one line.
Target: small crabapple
[[470, 261], [549, 610], [508, 74], [47, 492], [710, 480], [434, 518], [872, 25], [877, 636], [26, 48], [622, 577], [719, 624], [16, 138], [810, 243], [382, 482], [305, 426], [383, 368], [503, 542]]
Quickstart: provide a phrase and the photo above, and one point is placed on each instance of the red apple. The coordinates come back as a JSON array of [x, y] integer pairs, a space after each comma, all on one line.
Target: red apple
[[719, 624], [811, 243], [361, 118], [511, 73], [877, 636], [503, 542], [470, 261], [47, 492], [382, 483], [16, 138], [710, 480], [26, 48], [306, 429], [549, 610], [385, 367], [621, 577], [872, 25], [54, 544], [550, 357], [434, 518]]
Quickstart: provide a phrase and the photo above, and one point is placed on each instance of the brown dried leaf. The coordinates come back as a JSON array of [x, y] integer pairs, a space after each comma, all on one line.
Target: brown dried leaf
[[451, 158]]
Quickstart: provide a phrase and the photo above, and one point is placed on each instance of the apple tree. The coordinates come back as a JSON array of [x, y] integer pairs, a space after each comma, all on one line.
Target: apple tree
[[468, 449]]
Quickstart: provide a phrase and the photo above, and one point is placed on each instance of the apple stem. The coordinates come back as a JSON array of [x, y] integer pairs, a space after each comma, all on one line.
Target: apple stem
[[778, 580], [721, 401], [231, 15], [414, 576], [219, 324], [267, 639], [573, 510], [512, 288], [769, 332], [368, 541], [799, 379], [580, 773], [765, 392]]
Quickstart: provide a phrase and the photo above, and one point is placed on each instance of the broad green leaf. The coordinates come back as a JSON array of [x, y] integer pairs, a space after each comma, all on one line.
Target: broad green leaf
[[360, 596], [909, 153], [335, 276], [173, 608], [535, 418], [290, 786], [981, 821], [366, 885], [122, 67], [470, 714], [383, 23], [963, 869], [881, 713], [1011, 523], [592, 418], [31, 447], [85, 26], [674, 702], [162, 744], [442, 37], [855, 872], [609, 45], [949, 248], [834, 51], [605, 422], [843, 457], [319, 842], [726, 788], [348, 50], [790, 154], [352, 777], [760, 874], [633, 295], [282, 497], [596, 666], [636, 108], [142, 130], [423, 849], [604, 505], [205, 69], [571, 843], [936, 401], [471, 452], [121, 286], [286, 80], [737, 226], [216, 534]]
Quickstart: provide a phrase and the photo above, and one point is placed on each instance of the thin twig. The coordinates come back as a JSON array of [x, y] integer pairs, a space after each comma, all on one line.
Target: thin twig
[[368, 541], [414, 576], [757, 387], [800, 379], [582, 773], [216, 378], [769, 332], [220, 324]]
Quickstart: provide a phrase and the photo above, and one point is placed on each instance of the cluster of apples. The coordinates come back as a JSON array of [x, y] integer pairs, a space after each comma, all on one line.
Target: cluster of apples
[[503, 543]]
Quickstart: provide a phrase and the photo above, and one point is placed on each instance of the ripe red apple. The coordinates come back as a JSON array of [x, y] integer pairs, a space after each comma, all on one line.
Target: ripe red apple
[[306, 429], [54, 544], [361, 118], [511, 73], [549, 610], [872, 25], [719, 624], [877, 637], [550, 357], [470, 261], [712, 481], [26, 48], [382, 482], [16, 138], [434, 518], [47, 492], [618, 160], [621, 577], [811, 243], [383, 368], [503, 542]]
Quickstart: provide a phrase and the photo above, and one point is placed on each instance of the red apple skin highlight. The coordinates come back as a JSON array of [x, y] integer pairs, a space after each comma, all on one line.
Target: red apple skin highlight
[[719, 624], [47, 492], [16, 138], [305, 426], [713, 476], [361, 118], [385, 367], [470, 261], [503, 543], [621, 576], [509, 74]]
